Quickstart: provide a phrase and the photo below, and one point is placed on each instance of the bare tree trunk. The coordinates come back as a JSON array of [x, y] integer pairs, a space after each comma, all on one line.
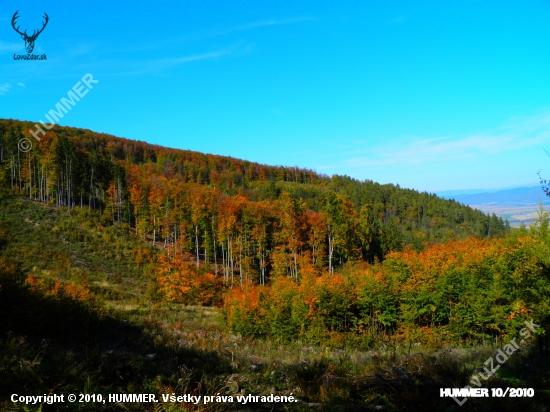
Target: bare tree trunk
[[223, 264], [215, 257], [197, 243], [295, 266], [241, 260], [91, 190], [230, 247], [330, 252]]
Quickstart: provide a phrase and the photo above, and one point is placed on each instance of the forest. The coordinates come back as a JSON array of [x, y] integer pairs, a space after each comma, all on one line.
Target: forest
[[245, 220], [239, 276]]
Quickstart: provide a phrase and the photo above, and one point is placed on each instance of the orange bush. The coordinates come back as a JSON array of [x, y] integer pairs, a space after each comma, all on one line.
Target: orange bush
[[181, 281]]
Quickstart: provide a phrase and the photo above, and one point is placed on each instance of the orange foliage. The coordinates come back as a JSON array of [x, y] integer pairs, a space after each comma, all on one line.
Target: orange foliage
[[60, 290], [181, 281], [470, 290]]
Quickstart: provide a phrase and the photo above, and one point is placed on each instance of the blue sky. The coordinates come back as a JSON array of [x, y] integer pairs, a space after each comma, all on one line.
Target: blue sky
[[430, 95]]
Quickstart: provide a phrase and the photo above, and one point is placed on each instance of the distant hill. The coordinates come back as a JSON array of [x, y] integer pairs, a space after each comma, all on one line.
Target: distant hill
[[516, 205], [522, 196], [450, 194]]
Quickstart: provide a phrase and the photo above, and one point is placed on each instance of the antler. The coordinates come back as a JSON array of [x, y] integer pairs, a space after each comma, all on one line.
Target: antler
[[15, 16], [43, 27]]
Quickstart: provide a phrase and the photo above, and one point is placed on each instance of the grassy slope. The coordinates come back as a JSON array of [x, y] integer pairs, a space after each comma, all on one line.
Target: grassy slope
[[115, 344], [126, 341]]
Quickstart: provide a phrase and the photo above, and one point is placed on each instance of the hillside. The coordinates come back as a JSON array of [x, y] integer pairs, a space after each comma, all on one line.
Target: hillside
[[79, 312], [176, 272], [230, 213], [83, 313]]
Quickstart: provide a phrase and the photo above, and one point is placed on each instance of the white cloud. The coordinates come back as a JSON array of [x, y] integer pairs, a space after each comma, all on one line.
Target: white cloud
[[4, 88], [150, 66], [11, 47], [270, 23], [263, 23], [166, 63], [517, 133]]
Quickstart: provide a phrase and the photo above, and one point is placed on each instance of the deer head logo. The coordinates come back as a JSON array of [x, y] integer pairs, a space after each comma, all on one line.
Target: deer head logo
[[29, 40]]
